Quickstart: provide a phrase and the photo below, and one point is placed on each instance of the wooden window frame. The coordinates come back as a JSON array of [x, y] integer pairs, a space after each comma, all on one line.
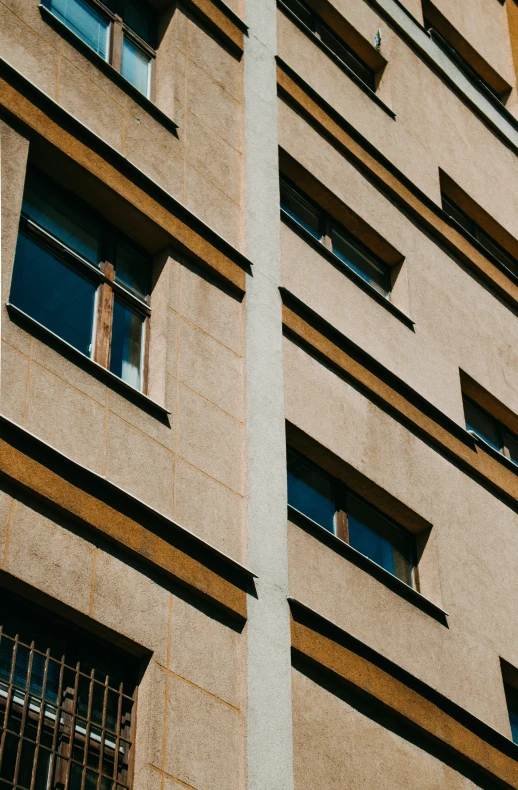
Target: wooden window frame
[[327, 224], [341, 520], [107, 288]]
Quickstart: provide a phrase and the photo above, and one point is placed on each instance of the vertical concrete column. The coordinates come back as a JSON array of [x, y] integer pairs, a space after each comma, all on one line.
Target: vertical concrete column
[[269, 738]]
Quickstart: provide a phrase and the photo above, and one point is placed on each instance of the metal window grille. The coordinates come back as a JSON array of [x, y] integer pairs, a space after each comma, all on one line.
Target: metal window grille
[[61, 727]]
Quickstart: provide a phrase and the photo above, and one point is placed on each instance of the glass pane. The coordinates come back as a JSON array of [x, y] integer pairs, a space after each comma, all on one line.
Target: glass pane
[[136, 66], [360, 262], [505, 258], [512, 706], [348, 57], [301, 210], [379, 539], [301, 11], [310, 491], [85, 22], [140, 17], [53, 294], [132, 270], [56, 212], [126, 349], [512, 445], [458, 215], [483, 425]]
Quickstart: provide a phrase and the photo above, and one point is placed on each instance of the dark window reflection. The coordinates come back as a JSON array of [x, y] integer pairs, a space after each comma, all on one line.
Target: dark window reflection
[[310, 491], [53, 294]]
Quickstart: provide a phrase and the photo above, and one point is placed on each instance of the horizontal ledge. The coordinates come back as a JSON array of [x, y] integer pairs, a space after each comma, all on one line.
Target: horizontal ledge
[[330, 54], [361, 561], [149, 106], [392, 678], [222, 20], [346, 270], [89, 365], [123, 519], [370, 363], [502, 459], [428, 216], [41, 113]]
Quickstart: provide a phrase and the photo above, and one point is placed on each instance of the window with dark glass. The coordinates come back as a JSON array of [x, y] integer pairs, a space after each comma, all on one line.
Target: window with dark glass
[[461, 63], [483, 238], [121, 32], [327, 501], [511, 695], [67, 705], [490, 430], [337, 45], [335, 237], [82, 279]]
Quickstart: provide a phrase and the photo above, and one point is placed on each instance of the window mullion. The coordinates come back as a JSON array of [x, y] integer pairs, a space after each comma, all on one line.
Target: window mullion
[[341, 521], [104, 317], [116, 43]]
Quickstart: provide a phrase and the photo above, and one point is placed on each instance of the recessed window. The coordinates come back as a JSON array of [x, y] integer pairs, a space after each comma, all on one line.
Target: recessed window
[[121, 32], [67, 705], [467, 69], [483, 238], [326, 501], [335, 237], [337, 45], [490, 430], [511, 695], [82, 279]]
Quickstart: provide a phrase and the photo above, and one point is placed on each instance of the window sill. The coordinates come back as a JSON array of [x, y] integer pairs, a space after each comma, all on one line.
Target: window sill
[[367, 565], [330, 54], [103, 375], [503, 459], [344, 269], [146, 104]]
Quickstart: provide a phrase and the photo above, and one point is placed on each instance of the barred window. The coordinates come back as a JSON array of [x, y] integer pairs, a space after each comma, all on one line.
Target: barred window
[[67, 705]]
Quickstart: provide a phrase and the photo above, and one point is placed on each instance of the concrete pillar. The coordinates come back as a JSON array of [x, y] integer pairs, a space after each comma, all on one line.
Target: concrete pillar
[[269, 738]]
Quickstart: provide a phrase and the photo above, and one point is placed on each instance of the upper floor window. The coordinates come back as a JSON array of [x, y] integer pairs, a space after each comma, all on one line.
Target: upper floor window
[[325, 500], [82, 279], [337, 45], [490, 430], [121, 32], [483, 238], [67, 705], [335, 237], [511, 696]]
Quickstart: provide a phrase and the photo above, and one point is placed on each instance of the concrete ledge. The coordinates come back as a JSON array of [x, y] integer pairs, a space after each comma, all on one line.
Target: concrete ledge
[[184, 230], [119, 517], [491, 756], [392, 183], [399, 399], [226, 24]]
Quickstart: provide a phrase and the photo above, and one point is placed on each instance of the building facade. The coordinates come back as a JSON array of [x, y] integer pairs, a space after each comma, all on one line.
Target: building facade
[[259, 404]]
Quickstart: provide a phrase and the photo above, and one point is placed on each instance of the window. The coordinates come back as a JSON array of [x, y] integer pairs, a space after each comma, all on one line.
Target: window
[[511, 695], [326, 501], [337, 45], [467, 69], [121, 32], [336, 238], [67, 705], [82, 279], [483, 238], [490, 430]]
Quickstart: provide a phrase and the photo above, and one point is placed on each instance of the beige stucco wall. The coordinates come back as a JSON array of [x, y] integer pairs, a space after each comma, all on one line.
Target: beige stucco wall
[[336, 746], [462, 569], [433, 128], [458, 323], [199, 86], [190, 469], [192, 685]]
